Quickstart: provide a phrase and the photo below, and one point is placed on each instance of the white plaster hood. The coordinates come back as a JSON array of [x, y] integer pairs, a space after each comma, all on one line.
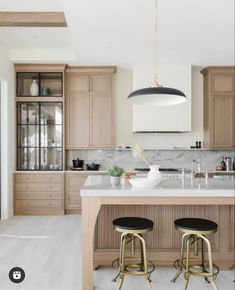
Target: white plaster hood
[[176, 118]]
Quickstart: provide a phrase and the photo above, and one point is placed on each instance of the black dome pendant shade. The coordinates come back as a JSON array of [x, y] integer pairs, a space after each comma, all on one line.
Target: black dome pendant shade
[[157, 96]]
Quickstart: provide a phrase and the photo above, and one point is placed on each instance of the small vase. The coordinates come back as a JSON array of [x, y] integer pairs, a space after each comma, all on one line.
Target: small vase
[[154, 173], [115, 180], [34, 88]]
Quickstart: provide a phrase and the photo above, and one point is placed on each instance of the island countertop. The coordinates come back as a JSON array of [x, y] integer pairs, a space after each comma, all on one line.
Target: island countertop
[[172, 198], [99, 186]]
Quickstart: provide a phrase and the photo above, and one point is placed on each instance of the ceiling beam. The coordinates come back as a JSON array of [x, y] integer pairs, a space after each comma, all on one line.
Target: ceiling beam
[[32, 19]]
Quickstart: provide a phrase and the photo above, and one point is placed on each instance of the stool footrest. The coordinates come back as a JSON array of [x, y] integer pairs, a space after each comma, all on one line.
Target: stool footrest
[[196, 270]]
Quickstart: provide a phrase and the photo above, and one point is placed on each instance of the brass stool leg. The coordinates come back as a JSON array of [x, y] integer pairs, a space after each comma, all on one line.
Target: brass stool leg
[[120, 254], [211, 277], [187, 273], [144, 262], [181, 258], [122, 259]]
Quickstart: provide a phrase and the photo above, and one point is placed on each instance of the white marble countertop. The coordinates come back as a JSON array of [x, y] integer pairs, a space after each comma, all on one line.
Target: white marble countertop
[[100, 186]]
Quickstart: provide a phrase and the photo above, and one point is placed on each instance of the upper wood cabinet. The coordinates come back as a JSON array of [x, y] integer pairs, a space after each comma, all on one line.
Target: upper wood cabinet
[[88, 107], [219, 107], [44, 81], [101, 83], [77, 121], [101, 121]]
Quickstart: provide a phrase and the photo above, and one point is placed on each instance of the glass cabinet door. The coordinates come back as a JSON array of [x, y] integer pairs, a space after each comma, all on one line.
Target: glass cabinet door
[[47, 84], [28, 136], [39, 136], [51, 136]]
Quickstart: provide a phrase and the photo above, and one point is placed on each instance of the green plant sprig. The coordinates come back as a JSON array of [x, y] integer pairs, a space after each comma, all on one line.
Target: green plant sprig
[[115, 171]]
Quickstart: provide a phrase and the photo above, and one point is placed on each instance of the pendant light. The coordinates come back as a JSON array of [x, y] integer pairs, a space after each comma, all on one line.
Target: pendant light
[[156, 95]]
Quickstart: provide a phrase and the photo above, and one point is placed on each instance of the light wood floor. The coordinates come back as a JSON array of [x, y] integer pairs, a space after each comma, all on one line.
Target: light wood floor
[[49, 250]]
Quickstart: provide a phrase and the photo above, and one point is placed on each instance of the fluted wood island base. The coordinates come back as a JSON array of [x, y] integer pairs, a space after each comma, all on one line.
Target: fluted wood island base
[[101, 204]]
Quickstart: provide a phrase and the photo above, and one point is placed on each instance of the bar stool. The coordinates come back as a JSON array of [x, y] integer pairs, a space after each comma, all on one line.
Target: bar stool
[[132, 229], [194, 231]]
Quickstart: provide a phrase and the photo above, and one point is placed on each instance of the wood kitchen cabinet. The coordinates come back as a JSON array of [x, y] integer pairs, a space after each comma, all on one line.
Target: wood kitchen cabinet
[[88, 107], [39, 116], [38, 193], [73, 184], [219, 107]]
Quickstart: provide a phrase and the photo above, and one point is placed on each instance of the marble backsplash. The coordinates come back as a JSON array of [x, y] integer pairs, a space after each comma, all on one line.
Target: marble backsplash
[[166, 158]]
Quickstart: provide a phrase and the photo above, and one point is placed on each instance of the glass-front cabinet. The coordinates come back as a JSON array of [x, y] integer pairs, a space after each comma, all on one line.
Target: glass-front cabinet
[[39, 136], [44, 84]]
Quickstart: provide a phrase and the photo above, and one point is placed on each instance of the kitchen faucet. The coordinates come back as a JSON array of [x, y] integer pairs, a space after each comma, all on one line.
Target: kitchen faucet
[[198, 161], [198, 173]]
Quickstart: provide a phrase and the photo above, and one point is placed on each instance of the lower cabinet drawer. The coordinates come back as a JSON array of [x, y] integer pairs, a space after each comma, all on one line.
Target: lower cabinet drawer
[[38, 203], [38, 195], [37, 187], [73, 200], [39, 178]]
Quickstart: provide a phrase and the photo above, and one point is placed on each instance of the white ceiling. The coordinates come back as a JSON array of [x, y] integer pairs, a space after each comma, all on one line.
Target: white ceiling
[[121, 32]]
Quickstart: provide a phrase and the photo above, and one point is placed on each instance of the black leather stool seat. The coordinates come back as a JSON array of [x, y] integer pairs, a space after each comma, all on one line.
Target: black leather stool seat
[[195, 224], [132, 223]]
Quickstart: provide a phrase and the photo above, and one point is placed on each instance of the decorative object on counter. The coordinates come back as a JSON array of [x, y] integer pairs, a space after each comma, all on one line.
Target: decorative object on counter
[[222, 166], [115, 173], [154, 173], [143, 182], [127, 175], [139, 152], [93, 166], [157, 95], [34, 88], [78, 163]]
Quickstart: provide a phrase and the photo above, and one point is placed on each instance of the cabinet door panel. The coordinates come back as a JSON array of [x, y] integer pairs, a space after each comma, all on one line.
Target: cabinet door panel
[[73, 181], [101, 122], [73, 200], [223, 83], [101, 83], [76, 83], [223, 121], [77, 121]]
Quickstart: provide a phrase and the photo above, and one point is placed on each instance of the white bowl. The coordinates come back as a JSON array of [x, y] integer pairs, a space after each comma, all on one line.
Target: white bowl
[[143, 182]]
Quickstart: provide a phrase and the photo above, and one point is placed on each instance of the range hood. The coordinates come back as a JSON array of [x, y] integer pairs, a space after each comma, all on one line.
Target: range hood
[[176, 118]]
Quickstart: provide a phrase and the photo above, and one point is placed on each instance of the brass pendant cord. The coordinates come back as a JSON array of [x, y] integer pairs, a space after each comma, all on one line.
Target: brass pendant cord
[[155, 82]]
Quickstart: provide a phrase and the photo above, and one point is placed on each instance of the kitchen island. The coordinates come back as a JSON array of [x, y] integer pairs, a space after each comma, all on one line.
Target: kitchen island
[[173, 198]]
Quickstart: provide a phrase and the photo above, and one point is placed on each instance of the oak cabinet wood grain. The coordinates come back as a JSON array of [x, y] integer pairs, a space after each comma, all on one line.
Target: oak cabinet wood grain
[[88, 107], [73, 184], [77, 121], [38, 193], [219, 107], [101, 121]]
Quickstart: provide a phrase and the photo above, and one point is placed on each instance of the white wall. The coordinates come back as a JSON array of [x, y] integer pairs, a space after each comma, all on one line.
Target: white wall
[[123, 116], [122, 110], [6, 132]]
